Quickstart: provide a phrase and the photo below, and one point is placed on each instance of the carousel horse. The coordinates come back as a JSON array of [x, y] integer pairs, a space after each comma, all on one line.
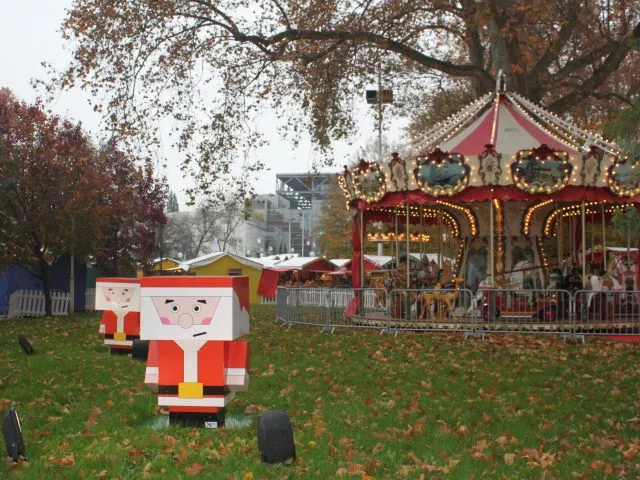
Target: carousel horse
[[522, 274], [385, 284], [426, 299], [447, 299]]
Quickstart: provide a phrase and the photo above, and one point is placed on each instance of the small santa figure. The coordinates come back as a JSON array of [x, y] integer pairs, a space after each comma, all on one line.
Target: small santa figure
[[194, 324], [120, 300]]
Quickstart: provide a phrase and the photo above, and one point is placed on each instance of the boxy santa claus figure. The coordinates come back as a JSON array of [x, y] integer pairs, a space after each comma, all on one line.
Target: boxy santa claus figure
[[120, 300], [194, 323]]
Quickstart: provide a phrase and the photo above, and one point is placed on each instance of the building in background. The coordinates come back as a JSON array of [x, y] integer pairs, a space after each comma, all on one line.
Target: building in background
[[285, 222]]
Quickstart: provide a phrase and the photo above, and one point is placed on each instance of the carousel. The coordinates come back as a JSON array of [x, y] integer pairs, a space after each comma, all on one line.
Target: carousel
[[516, 196]]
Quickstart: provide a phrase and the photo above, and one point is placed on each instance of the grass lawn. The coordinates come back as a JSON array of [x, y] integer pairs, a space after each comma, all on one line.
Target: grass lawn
[[362, 406]]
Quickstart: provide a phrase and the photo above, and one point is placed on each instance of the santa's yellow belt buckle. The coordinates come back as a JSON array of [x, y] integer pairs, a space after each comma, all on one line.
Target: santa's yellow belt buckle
[[190, 390], [120, 336]]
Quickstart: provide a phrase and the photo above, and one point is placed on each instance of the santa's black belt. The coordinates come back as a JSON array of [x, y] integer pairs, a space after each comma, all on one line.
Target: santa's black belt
[[129, 337], [173, 390]]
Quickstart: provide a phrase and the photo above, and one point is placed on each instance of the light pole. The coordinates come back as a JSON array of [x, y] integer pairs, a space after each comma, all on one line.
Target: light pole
[[378, 97], [289, 244], [302, 230]]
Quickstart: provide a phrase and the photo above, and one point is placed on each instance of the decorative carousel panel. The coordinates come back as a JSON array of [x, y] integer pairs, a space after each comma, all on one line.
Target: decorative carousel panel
[[591, 162], [399, 176], [624, 177], [441, 173], [369, 181], [489, 168], [345, 181], [541, 170]]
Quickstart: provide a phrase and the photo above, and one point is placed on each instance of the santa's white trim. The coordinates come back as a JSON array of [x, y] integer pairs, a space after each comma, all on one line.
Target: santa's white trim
[[218, 401], [148, 292], [190, 365], [151, 375], [124, 343]]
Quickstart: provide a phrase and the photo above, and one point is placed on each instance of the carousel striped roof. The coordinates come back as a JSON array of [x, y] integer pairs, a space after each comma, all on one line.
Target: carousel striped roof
[[511, 123]]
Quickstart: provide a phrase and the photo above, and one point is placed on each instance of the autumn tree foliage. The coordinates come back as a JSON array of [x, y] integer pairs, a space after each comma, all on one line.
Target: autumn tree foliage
[[334, 229], [45, 204], [212, 67], [58, 196], [135, 203]]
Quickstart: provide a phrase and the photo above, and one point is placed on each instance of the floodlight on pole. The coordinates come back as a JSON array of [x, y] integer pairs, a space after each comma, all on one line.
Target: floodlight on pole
[[378, 97]]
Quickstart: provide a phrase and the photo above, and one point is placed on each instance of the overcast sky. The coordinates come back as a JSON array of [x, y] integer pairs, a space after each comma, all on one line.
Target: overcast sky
[[30, 34]]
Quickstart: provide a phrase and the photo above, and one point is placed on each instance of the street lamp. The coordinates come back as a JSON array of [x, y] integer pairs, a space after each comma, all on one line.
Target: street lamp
[[302, 230], [378, 97]]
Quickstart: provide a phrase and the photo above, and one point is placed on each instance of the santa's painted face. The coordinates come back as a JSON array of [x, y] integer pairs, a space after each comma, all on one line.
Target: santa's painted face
[[186, 311], [119, 296]]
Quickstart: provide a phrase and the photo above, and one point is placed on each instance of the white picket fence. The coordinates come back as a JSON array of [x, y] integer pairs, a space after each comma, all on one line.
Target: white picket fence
[[30, 303]]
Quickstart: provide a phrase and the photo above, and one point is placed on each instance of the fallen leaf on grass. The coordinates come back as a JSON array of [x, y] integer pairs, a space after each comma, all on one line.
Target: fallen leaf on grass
[[287, 390], [509, 458], [631, 453], [194, 469]]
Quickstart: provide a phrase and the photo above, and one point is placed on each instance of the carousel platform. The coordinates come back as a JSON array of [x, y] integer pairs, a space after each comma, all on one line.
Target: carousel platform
[[622, 326]]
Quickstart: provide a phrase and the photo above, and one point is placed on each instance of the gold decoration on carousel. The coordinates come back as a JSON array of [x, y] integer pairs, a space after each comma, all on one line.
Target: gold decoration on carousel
[[528, 215], [591, 162], [499, 226], [399, 177], [574, 210], [490, 169], [440, 173], [623, 177], [471, 216], [369, 181], [541, 170], [345, 181], [543, 254], [391, 237], [458, 260], [428, 212]]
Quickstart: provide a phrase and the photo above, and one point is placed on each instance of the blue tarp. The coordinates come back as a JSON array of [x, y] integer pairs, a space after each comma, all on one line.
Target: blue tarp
[[17, 278]]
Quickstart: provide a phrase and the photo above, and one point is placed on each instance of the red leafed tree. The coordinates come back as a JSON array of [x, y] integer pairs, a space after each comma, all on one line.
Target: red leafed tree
[[135, 202], [58, 194], [46, 209]]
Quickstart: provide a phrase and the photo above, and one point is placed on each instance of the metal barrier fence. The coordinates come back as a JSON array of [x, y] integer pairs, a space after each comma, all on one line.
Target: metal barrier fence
[[432, 309], [607, 312], [486, 311], [518, 311]]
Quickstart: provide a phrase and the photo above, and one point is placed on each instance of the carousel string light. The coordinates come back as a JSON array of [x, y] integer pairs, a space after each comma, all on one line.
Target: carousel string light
[[428, 212], [369, 181], [451, 125], [528, 163], [440, 159], [391, 237], [471, 216], [528, 215], [457, 263], [631, 187], [497, 205], [574, 210], [556, 134], [543, 255], [573, 131]]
